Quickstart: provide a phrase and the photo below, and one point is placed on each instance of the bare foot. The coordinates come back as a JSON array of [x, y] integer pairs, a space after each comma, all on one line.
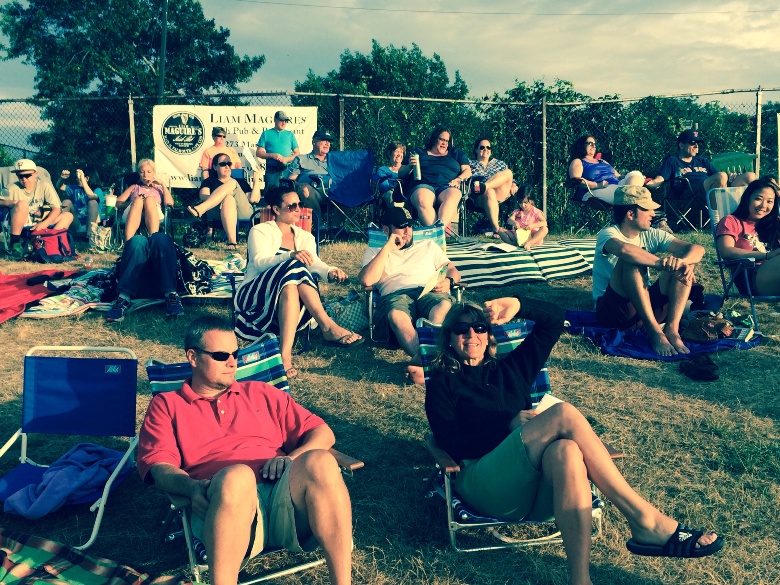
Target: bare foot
[[676, 341], [337, 333], [661, 344], [415, 374]]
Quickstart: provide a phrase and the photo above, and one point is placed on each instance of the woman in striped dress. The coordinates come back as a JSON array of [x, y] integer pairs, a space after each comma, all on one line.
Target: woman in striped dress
[[279, 293]]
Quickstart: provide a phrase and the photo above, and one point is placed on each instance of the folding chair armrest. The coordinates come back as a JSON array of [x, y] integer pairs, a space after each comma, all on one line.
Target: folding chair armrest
[[442, 458], [346, 462], [178, 502], [736, 262]]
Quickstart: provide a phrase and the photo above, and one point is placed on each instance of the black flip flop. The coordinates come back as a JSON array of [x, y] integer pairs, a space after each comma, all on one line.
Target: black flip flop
[[681, 544], [701, 368]]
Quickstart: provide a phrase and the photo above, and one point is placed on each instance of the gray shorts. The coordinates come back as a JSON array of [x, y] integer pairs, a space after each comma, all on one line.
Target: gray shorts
[[409, 301], [274, 523]]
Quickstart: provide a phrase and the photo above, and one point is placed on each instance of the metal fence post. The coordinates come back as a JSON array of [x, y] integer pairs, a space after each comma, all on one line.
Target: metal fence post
[[341, 122], [758, 131], [131, 115], [544, 154]]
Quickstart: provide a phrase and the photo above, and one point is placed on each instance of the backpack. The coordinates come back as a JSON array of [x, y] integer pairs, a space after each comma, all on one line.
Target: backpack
[[194, 275], [53, 246]]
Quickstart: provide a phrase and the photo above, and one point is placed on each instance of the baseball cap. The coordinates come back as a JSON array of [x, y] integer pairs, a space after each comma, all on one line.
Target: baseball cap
[[322, 135], [24, 164], [635, 195], [396, 217], [280, 115], [689, 136]]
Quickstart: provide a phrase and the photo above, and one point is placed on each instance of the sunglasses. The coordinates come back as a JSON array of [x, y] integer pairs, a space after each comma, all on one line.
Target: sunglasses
[[590, 143], [484, 147], [220, 136], [218, 356], [461, 327], [291, 207], [225, 163], [23, 177]]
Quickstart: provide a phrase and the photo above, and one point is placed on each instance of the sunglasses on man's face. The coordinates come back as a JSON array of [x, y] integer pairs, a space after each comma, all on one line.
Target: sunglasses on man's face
[[462, 327], [225, 163], [25, 177], [218, 356]]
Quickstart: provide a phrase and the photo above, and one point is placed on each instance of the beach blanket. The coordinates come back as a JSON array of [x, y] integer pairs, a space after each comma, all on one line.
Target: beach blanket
[[491, 264], [32, 560], [636, 344], [15, 294]]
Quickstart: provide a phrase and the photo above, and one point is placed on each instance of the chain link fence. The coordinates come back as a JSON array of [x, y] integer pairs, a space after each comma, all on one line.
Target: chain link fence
[[533, 139]]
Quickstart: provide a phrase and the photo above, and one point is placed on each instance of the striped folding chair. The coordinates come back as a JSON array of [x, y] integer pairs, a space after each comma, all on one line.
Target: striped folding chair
[[459, 516]]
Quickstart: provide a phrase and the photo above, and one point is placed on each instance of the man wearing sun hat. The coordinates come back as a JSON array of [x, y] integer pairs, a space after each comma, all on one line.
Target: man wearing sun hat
[[34, 203], [699, 171], [278, 146], [403, 272], [622, 291]]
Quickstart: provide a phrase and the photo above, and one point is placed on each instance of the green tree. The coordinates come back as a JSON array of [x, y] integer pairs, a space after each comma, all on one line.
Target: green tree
[[387, 71], [95, 54]]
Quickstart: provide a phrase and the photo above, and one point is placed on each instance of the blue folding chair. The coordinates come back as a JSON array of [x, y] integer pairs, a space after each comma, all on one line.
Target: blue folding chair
[[460, 516], [74, 395]]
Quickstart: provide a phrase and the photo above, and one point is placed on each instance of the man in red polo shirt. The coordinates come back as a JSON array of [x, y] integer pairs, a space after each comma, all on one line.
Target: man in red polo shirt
[[254, 463]]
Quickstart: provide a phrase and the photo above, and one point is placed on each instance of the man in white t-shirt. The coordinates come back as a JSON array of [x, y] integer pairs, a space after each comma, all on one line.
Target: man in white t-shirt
[[622, 291], [34, 204], [401, 270]]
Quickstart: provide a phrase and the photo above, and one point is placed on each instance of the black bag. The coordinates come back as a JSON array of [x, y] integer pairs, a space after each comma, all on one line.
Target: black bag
[[194, 274]]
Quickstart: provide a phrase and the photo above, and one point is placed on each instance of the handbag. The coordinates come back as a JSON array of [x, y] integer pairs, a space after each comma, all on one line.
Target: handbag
[[349, 312]]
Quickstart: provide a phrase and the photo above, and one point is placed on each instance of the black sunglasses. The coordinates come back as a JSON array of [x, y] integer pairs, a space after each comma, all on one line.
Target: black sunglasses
[[484, 147], [218, 356], [590, 143], [220, 136], [23, 177], [225, 163], [291, 206], [461, 327]]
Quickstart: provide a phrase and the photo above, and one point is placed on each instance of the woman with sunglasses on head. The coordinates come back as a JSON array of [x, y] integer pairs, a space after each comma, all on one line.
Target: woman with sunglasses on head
[[279, 293], [233, 197], [597, 177], [492, 184], [443, 168], [144, 200], [517, 464], [219, 134]]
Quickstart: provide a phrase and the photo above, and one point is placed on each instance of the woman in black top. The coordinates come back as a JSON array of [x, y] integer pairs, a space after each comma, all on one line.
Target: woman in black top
[[517, 464]]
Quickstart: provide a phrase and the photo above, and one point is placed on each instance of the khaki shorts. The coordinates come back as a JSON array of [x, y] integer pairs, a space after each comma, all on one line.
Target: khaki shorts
[[407, 301], [503, 484], [274, 523]]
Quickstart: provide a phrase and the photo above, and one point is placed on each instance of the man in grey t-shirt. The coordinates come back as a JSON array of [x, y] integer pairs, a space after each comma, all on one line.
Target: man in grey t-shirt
[[622, 292]]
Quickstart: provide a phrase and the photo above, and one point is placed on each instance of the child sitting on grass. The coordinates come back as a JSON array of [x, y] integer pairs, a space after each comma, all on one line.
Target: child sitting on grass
[[528, 223]]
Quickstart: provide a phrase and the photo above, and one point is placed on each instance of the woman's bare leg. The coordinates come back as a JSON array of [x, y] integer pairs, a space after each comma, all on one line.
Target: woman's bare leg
[[288, 313], [563, 421], [229, 215], [448, 204], [423, 200], [151, 215], [133, 221]]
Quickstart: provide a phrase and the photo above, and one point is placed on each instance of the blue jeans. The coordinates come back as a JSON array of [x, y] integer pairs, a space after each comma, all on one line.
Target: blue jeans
[[148, 266]]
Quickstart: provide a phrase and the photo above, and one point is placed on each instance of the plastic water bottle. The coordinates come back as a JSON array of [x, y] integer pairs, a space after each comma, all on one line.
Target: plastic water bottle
[[417, 170]]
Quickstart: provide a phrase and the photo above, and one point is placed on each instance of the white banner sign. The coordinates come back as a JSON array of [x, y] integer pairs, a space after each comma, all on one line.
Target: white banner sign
[[182, 133]]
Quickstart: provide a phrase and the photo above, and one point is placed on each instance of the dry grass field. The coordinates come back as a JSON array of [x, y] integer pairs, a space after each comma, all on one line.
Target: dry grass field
[[706, 453]]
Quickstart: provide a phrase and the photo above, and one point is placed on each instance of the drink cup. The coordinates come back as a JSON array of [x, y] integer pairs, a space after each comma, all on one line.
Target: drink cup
[[110, 204]]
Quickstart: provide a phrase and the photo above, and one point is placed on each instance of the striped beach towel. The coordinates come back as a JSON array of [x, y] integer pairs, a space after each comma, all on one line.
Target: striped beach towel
[[30, 559]]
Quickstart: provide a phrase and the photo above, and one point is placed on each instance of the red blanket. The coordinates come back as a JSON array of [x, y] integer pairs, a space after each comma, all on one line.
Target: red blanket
[[15, 294]]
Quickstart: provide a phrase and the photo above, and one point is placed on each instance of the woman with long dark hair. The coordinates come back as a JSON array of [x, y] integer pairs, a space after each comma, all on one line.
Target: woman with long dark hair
[[597, 177], [753, 231]]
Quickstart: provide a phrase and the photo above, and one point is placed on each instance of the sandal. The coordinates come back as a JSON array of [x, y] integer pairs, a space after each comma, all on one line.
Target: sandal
[[700, 368], [681, 544], [193, 211], [341, 341]]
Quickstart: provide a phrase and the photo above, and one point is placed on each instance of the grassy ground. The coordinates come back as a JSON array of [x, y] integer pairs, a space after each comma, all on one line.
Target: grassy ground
[[703, 452]]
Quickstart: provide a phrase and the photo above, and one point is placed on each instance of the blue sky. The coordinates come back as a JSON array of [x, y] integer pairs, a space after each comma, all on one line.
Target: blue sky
[[628, 48]]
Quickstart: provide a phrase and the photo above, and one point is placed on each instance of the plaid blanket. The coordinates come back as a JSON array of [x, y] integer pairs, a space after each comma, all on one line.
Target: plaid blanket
[[30, 559]]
